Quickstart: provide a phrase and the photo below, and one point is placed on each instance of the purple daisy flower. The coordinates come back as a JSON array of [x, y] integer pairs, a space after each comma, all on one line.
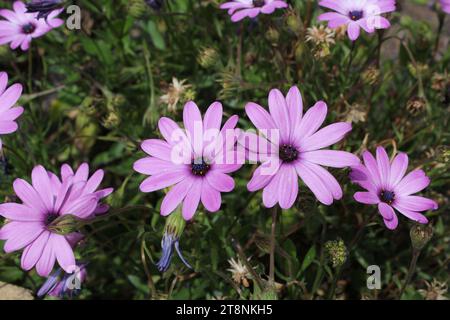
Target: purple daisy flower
[[357, 14], [291, 148], [239, 9], [445, 5], [48, 198], [43, 7], [192, 160], [8, 98], [389, 188], [21, 27]]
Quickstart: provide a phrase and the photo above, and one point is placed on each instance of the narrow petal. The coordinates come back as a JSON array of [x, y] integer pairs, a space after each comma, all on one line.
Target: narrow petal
[[176, 195], [19, 212], [386, 211], [416, 203], [326, 136], [398, 168], [384, 167], [415, 216], [288, 186], [33, 251], [63, 252], [210, 197], [327, 178], [366, 197], [163, 180], [193, 123], [220, 181], [331, 158], [311, 121], [314, 183], [295, 108], [279, 112], [270, 192], [41, 183], [414, 182], [28, 195], [192, 200]]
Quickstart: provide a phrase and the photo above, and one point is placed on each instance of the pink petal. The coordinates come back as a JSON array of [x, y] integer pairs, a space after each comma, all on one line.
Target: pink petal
[[213, 117], [270, 192], [259, 116], [391, 224], [366, 197], [63, 252], [194, 126], [220, 181], [353, 30], [386, 211], [152, 166], [326, 136], [41, 183], [7, 127], [287, 186], [94, 181], [259, 180], [10, 97], [416, 203], [327, 178], [192, 200], [20, 234], [82, 207], [163, 180], [176, 195], [157, 148], [414, 182], [384, 167], [372, 168], [82, 173], [398, 168], [11, 114], [19, 212], [28, 195], [314, 183], [295, 109], [47, 260], [331, 158], [312, 120], [33, 251], [279, 112], [415, 216], [210, 197]]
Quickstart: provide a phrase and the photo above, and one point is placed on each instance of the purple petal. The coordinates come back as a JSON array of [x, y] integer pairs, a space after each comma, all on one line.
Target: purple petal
[[414, 182], [194, 126], [327, 178], [163, 180], [314, 183], [386, 211], [192, 200], [176, 195], [19, 212], [287, 186], [220, 181], [398, 168], [415, 216], [416, 203], [210, 197], [326, 136], [33, 251], [331, 158], [384, 167], [366, 197], [279, 112]]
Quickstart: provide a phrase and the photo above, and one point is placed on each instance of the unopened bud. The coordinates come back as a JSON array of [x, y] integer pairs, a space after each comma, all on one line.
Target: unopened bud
[[65, 224], [420, 235]]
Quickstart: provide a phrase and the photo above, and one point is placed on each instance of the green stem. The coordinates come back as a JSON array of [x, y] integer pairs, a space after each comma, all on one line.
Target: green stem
[[412, 269], [272, 246]]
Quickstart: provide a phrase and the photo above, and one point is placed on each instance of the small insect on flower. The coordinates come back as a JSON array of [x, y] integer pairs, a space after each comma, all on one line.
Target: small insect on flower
[[389, 188], [240, 9], [21, 27], [290, 146], [8, 99], [43, 7], [195, 161], [61, 284], [31, 224], [356, 14]]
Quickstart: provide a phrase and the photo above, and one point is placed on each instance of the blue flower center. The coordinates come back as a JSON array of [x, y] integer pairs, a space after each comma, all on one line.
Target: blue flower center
[[259, 3], [355, 15], [28, 28], [50, 218], [288, 153], [200, 167], [387, 196]]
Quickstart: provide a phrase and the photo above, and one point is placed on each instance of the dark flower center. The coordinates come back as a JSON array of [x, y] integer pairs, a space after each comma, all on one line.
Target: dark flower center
[[259, 3], [387, 196], [50, 218], [28, 28], [200, 167], [288, 153], [355, 15]]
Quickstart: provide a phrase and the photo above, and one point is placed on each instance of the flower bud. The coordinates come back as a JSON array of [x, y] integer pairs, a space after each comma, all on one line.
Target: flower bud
[[336, 252], [65, 224], [272, 35], [420, 235], [207, 57]]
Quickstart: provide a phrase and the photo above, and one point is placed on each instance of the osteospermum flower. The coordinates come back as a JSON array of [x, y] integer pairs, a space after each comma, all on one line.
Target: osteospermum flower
[[31, 224], [389, 188], [356, 14], [445, 5], [239, 9], [21, 27], [191, 160], [292, 148], [8, 99], [43, 7]]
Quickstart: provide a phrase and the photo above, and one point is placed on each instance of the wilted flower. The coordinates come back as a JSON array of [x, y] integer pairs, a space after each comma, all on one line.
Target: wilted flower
[[239, 9], [388, 187], [191, 160], [416, 105], [320, 35], [435, 290], [61, 284], [8, 98], [291, 148], [356, 14], [21, 27], [175, 93], [440, 81], [172, 232], [239, 272], [356, 113], [43, 7], [30, 224]]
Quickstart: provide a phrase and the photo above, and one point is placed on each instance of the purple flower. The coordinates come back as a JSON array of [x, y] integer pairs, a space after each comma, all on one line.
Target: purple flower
[[388, 187], [48, 198], [445, 5], [8, 98], [155, 4], [290, 147], [61, 284], [21, 27], [43, 7], [239, 9], [168, 242], [357, 14], [191, 160]]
